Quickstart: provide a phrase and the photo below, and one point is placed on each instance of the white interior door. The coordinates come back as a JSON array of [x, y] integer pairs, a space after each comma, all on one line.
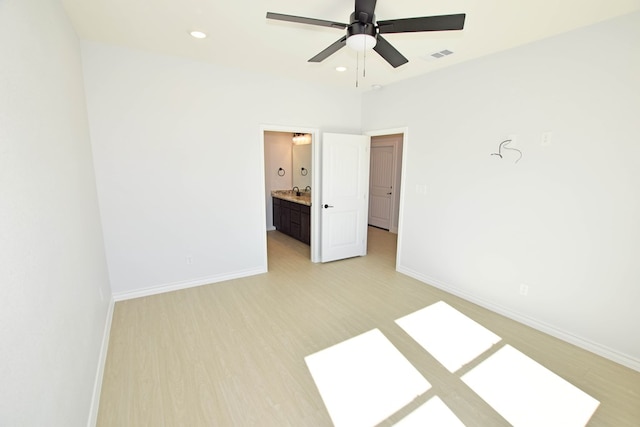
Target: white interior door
[[345, 185], [381, 186]]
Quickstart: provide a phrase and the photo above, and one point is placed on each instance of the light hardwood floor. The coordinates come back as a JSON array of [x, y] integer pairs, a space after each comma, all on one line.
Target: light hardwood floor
[[232, 353]]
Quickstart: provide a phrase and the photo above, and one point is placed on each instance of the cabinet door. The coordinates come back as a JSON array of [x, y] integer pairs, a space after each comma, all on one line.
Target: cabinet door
[[295, 216], [305, 224], [294, 231], [276, 213], [285, 217]]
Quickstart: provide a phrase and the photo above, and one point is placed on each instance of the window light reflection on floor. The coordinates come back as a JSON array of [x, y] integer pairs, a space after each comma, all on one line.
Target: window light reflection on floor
[[434, 412], [364, 380], [526, 393], [448, 335]]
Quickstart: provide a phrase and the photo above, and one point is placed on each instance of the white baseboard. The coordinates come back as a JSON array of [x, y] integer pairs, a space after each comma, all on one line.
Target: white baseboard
[[588, 345], [97, 386], [176, 286]]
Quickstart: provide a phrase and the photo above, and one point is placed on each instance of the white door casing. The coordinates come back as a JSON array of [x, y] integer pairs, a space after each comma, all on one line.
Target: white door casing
[[344, 198], [381, 185]]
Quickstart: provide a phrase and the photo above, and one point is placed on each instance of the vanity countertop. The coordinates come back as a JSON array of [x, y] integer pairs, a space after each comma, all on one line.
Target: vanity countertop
[[304, 198]]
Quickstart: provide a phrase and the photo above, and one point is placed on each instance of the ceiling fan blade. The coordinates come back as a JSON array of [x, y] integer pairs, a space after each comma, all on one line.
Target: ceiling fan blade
[[365, 6], [333, 48], [303, 20], [389, 53], [426, 23]]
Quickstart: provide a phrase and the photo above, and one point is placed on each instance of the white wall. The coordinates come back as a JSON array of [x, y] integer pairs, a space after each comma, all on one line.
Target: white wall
[[564, 220], [277, 154], [179, 167], [54, 288]]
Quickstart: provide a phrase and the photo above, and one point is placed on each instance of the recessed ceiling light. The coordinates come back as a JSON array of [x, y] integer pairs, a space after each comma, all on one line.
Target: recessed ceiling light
[[341, 69], [198, 34]]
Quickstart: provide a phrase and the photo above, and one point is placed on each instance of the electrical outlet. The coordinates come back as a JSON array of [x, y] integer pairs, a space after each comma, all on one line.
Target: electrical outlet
[[545, 139], [189, 260], [524, 289]]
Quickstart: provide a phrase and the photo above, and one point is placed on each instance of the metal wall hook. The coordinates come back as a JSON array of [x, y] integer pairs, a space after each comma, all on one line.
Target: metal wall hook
[[303, 171], [281, 172], [504, 144]]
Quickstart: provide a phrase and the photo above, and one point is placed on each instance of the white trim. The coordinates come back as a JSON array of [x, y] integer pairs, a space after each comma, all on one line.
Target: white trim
[[97, 385], [588, 345], [176, 286], [316, 160]]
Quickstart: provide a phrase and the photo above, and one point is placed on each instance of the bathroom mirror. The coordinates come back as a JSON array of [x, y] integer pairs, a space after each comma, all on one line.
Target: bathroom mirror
[[301, 159]]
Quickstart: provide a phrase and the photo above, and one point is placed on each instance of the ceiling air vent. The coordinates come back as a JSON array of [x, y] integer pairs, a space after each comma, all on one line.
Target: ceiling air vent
[[438, 55]]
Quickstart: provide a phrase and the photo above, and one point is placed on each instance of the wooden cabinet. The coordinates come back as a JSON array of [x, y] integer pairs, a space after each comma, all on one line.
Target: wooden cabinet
[[285, 217], [294, 227], [293, 219], [305, 224]]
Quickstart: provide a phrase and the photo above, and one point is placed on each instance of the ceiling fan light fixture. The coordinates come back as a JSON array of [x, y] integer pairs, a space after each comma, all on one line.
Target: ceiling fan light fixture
[[361, 37], [361, 42]]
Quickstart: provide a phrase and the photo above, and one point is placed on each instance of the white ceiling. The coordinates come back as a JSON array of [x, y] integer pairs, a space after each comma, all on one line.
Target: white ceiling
[[240, 36]]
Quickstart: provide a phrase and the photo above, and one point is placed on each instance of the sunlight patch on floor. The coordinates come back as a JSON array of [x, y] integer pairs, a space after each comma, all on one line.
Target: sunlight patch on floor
[[448, 335], [434, 412], [526, 393], [364, 380]]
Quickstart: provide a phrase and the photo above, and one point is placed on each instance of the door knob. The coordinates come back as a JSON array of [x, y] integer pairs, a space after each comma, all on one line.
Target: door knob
[[388, 194], [327, 206]]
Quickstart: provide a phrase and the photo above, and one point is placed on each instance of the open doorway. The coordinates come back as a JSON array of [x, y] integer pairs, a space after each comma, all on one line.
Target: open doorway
[[385, 181], [385, 178], [288, 158]]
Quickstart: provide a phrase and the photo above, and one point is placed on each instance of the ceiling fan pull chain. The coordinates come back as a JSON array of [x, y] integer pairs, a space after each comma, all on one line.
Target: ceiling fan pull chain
[[357, 65], [364, 58]]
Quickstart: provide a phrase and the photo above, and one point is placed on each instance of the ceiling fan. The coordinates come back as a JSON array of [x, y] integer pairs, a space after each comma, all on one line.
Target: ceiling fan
[[364, 32]]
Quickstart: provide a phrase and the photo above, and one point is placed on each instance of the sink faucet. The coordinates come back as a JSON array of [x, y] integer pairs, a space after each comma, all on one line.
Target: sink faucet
[[307, 189]]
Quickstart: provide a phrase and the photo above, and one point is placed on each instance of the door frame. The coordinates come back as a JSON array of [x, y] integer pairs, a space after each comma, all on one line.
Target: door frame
[[315, 184], [405, 144]]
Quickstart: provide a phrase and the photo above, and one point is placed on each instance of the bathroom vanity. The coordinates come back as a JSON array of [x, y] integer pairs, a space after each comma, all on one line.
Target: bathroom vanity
[[292, 214]]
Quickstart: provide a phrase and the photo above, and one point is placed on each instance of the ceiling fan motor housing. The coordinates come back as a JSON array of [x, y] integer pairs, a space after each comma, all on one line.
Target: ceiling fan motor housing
[[363, 18], [360, 28]]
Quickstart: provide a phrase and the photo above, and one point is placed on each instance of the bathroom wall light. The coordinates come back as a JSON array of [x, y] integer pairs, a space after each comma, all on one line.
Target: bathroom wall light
[[301, 138]]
